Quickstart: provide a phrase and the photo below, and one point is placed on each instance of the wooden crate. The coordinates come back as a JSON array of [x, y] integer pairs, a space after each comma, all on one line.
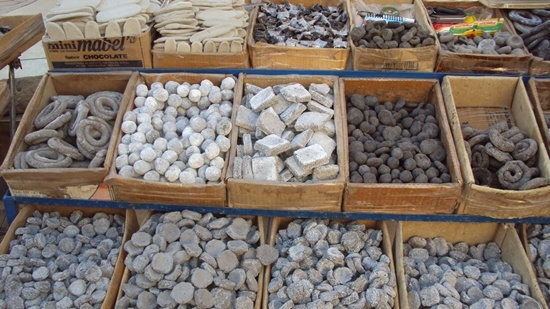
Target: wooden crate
[[474, 100], [420, 59], [138, 190], [318, 196], [410, 198], [130, 226], [539, 94], [476, 63], [539, 67], [279, 223], [5, 98], [471, 233], [261, 222], [522, 232], [63, 182], [25, 31], [269, 56]]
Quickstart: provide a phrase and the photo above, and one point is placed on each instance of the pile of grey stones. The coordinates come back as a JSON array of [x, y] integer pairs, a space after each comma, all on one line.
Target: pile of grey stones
[[443, 275], [61, 262], [287, 133], [328, 264], [538, 237], [187, 259]]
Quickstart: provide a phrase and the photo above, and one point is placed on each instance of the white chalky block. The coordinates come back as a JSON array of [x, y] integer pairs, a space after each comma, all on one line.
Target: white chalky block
[[296, 93], [197, 123], [247, 168], [143, 118], [187, 178], [218, 162], [144, 128], [321, 88], [251, 89], [318, 107], [212, 151], [265, 168], [311, 120], [325, 141], [296, 169], [224, 126], [227, 94], [208, 133], [292, 113], [269, 122], [248, 146], [122, 149], [161, 95], [281, 104], [329, 128], [183, 90], [311, 156], [121, 160], [326, 172], [263, 99], [148, 154], [272, 145], [288, 135], [171, 86], [285, 175], [226, 107], [152, 176], [133, 157], [172, 173], [161, 165], [223, 142], [128, 126], [246, 118], [142, 90], [238, 167], [139, 101], [326, 100], [215, 96], [301, 139], [194, 95], [156, 85], [141, 167], [196, 160], [212, 173], [259, 134], [227, 83]]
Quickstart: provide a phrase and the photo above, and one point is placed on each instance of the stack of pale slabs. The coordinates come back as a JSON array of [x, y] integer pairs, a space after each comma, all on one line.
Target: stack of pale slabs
[[91, 19], [198, 26]]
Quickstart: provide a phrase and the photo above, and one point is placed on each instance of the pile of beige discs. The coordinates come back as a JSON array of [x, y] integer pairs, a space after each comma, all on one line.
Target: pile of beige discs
[[177, 133], [197, 26], [191, 260], [61, 262], [92, 19], [71, 131], [287, 134]]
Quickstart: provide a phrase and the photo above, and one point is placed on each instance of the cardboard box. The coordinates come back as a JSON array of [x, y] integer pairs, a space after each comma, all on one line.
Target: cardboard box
[[130, 226], [63, 182], [427, 198], [139, 190], [476, 63], [25, 31], [269, 56], [471, 233], [260, 222], [114, 53], [279, 223], [483, 101], [319, 196], [420, 59], [539, 94]]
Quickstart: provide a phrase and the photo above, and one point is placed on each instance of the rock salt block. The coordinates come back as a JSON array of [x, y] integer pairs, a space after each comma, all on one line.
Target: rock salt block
[[272, 145], [320, 138], [289, 115], [301, 140], [326, 172], [265, 168], [281, 104], [296, 169], [326, 100], [263, 99], [311, 120], [246, 118], [312, 156], [247, 168], [252, 89], [285, 175], [296, 93], [321, 88], [269, 122], [318, 107]]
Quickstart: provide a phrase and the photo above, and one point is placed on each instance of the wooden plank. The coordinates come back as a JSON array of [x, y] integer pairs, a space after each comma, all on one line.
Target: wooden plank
[[25, 32], [5, 98]]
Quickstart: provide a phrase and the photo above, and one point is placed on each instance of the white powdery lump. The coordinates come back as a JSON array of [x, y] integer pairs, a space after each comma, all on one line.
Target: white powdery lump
[[179, 133], [293, 123]]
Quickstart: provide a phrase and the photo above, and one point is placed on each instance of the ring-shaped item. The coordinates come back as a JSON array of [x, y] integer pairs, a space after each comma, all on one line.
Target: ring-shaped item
[[525, 149], [105, 108], [115, 96], [65, 148], [525, 17], [72, 100], [499, 141], [513, 174], [49, 113], [19, 161], [482, 176], [535, 183], [86, 150], [496, 153], [99, 159], [94, 131], [479, 157], [541, 12], [59, 121], [47, 158], [480, 138], [80, 113], [40, 136]]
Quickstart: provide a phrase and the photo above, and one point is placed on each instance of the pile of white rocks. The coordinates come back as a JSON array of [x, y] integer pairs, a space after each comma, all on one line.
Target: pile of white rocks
[[197, 26], [177, 133], [287, 134], [188, 259], [61, 262], [330, 265], [444, 275], [538, 236], [92, 19]]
